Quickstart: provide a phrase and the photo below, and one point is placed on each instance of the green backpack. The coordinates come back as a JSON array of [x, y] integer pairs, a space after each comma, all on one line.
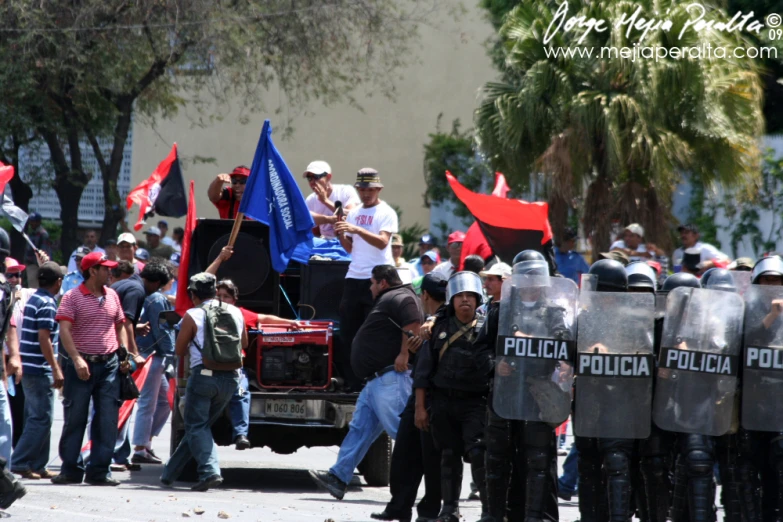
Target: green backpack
[[222, 348]]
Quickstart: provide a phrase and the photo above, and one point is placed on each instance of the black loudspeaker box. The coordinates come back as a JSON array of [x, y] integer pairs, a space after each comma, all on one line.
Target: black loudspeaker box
[[321, 289], [250, 267]]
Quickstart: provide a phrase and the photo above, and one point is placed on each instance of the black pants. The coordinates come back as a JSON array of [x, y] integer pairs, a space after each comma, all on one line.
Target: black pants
[[414, 456], [16, 403], [605, 478], [354, 308]]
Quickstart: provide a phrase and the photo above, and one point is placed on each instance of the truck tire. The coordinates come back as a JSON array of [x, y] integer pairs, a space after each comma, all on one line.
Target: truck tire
[[190, 472], [376, 465]]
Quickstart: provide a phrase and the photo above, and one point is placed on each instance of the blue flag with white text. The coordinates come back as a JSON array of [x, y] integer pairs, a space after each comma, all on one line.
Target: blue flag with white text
[[272, 197]]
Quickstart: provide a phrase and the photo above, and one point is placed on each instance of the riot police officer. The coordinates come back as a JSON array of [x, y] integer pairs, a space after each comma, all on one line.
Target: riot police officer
[[531, 389], [458, 385]]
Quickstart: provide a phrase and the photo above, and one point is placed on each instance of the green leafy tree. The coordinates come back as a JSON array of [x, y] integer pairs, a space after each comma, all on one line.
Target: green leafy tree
[[83, 70], [625, 129]]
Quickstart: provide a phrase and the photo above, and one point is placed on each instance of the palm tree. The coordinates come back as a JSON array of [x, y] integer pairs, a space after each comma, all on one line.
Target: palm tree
[[620, 131]]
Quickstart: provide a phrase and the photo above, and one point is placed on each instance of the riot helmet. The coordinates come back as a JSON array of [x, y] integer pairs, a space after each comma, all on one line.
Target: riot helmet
[[5, 245], [529, 255], [680, 279], [720, 279], [641, 276], [465, 282], [706, 276], [766, 266], [611, 275]]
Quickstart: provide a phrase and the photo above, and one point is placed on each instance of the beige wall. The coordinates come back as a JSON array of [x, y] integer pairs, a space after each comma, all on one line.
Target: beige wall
[[388, 135]]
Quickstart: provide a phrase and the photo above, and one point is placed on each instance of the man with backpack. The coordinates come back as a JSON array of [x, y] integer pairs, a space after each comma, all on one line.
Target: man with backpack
[[213, 334]]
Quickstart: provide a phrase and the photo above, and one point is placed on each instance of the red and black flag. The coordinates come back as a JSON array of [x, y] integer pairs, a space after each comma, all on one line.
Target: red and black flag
[[163, 193], [509, 225]]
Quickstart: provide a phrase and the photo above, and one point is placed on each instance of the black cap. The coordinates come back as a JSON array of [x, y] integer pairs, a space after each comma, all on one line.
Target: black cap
[[110, 242], [569, 233], [435, 284], [688, 227], [50, 271]]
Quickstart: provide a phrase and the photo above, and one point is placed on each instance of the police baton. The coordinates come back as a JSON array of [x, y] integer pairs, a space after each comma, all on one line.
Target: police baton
[[409, 333]]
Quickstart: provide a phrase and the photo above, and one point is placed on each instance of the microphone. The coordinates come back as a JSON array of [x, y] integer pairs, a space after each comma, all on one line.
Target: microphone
[[338, 209]]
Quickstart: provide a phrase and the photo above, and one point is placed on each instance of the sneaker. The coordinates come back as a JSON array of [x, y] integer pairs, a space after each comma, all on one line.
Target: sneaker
[[6, 499], [108, 481], [29, 474], [118, 467], [145, 457], [209, 482], [65, 479], [330, 483], [562, 452], [241, 442]]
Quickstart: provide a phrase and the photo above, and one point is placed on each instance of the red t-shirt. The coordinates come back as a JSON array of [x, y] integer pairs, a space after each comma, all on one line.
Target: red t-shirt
[[94, 319], [251, 318], [226, 205]]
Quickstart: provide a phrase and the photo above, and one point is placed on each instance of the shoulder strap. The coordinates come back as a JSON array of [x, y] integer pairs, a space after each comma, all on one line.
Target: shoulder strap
[[456, 336]]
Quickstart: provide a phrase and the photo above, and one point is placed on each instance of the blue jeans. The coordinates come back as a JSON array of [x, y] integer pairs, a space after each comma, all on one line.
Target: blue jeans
[[103, 387], [239, 408], [567, 483], [152, 407], [378, 409], [205, 399], [32, 449], [6, 426]]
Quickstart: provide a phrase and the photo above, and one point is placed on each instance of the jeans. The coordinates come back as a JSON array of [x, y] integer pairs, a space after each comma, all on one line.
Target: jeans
[[152, 407], [103, 387], [205, 399], [32, 450], [567, 483], [239, 408], [378, 409], [6, 426], [122, 447]]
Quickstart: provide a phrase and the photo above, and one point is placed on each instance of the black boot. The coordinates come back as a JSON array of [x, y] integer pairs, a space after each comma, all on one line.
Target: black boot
[[618, 484], [498, 470], [451, 486], [656, 483], [592, 489], [479, 473], [10, 489], [537, 484]]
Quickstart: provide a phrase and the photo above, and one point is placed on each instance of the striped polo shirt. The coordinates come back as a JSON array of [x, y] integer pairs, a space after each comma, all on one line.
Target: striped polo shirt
[[38, 314], [94, 319]]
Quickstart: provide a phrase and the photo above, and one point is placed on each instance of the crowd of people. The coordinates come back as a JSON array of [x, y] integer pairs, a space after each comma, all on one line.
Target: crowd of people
[[419, 344]]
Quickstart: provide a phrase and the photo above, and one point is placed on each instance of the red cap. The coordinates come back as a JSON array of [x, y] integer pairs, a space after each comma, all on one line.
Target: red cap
[[96, 259], [456, 237], [240, 171], [12, 265]]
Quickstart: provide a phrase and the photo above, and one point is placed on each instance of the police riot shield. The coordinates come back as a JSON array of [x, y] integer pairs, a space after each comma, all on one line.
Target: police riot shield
[[741, 281], [762, 359], [614, 365], [534, 370], [696, 384]]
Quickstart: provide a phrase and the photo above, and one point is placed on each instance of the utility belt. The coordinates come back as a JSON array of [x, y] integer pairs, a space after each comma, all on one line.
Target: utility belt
[[383, 371]]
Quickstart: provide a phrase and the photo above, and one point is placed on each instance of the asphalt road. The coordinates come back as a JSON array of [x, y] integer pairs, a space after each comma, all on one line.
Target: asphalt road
[[259, 486]]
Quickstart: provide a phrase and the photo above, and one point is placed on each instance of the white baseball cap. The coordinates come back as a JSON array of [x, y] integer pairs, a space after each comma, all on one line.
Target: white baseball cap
[[502, 270], [318, 168], [635, 228], [126, 237], [152, 231]]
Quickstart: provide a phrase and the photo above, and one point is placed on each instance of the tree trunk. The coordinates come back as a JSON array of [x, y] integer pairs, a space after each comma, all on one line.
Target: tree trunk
[[558, 216], [114, 208], [597, 218]]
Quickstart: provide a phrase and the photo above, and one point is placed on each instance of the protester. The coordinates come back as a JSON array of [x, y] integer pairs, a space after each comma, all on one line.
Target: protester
[[142, 255], [74, 277], [171, 288], [42, 374], [208, 391], [91, 243], [633, 245], [473, 263], [454, 247], [426, 244], [397, 246], [157, 348], [227, 199], [179, 235], [112, 251], [741, 264], [570, 263], [321, 202], [493, 283], [366, 235], [40, 239], [91, 332], [154, 246], [414, 453], [379, 356], [163, 226], [126, 250], [616, 255], [706, 255]]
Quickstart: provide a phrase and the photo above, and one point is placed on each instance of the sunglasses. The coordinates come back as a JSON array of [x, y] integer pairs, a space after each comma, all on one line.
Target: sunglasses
[[238, 181], [9, 275], [315, 177]]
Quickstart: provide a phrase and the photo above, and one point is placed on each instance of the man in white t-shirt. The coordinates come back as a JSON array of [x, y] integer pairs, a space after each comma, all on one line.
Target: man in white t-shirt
[[694, 256], [633, 245], [321, 202], [366, 234], [208, 391]]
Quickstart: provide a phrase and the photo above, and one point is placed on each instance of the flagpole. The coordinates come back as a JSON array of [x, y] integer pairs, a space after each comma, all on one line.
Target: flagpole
[[235, 230]]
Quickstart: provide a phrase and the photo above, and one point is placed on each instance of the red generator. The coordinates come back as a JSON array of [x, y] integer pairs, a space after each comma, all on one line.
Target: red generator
[[299, 359]]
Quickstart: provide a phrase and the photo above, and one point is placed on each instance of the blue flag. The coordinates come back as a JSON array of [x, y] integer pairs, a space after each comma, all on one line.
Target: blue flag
[[273, 198]]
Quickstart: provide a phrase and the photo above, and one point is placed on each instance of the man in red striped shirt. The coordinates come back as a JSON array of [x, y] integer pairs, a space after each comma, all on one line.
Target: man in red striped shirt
[[91, 331]]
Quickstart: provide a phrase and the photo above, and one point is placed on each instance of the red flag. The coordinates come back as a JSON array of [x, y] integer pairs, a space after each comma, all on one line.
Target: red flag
[[146, 192], [509, 225], [501, 187], [183, 303], [6, 173]]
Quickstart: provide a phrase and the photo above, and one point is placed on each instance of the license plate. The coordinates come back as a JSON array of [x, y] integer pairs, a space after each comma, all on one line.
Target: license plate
[[286, 408]]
